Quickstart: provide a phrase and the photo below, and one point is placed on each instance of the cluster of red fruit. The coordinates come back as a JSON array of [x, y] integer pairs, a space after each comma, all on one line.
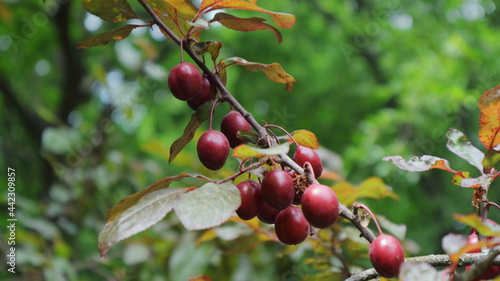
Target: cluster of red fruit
[[188, 84], [275, 200]]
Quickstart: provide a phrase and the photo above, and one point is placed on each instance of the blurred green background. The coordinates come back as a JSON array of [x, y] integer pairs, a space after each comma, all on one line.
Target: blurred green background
[[83, 128]]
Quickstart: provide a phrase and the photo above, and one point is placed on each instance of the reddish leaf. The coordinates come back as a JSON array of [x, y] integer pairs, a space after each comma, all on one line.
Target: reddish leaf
[[200, 278], [132, 199], [489, 118], [176, 15], [273, 71], [246, 24], [194, 123], [182, 9], [110, 10], [281, 19], [106, 37]]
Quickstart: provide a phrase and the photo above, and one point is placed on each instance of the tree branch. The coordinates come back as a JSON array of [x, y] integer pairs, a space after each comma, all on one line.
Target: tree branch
[[72, 93], [438, 261], [227, 96]]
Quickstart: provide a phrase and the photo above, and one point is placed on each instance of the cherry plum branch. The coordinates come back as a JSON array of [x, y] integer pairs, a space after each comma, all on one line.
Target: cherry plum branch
[[227, 96]]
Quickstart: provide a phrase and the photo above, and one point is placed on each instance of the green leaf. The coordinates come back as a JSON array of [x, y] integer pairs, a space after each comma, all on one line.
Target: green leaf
[[110, 10], [207, 206], [459, 144], [245, 151], [273, 71], [475, 222], [194, 123], [246, 24], [491, 159], [419, 164], [132, 199], [147, 211], [106, 37], [247, 136], [281, 19], [370, 188], [489, 118], [211, 47]]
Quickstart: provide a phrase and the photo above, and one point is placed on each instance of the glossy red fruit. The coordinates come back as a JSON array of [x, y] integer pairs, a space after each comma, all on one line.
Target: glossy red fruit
[[251, 199], [268, 214], [277, 189], [386, 255], [231, 124], [291, 226], [305, 154], [207, 93], [213, 149], [320, 205], [185, 81], [491, 271]]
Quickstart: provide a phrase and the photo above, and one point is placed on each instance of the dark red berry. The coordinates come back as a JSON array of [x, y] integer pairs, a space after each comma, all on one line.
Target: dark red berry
[[185, 81], [291, 226], [231, 124], [213, 149], [305, 154], [251, 199], [320, 205], [386, 255], [277, 189], [207, 93], [268, 214]]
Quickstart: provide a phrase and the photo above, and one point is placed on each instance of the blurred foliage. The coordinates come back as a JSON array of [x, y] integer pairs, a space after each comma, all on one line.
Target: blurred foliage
[[85, 128]]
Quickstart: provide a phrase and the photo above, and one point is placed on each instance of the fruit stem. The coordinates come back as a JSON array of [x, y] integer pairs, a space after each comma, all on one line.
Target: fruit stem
[[282, 129], [364, 207], [212, 110]]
